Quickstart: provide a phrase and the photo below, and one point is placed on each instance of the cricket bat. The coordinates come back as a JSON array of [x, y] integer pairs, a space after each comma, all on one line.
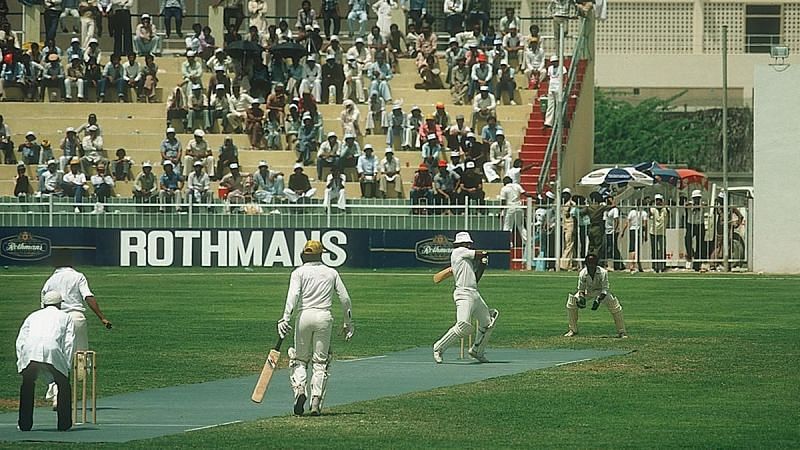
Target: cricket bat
[[266, 372], [442, 275]]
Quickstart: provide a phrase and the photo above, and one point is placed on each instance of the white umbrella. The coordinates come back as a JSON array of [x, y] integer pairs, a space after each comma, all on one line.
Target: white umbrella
[[616, 176]]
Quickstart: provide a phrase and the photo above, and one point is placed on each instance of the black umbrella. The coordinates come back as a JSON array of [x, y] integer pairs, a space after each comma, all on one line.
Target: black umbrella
[[288, 50], [243, 48]]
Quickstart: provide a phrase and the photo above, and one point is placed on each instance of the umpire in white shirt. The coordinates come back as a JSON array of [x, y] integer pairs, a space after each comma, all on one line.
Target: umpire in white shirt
[[593, 282], [45, 344], [76, 295], [311, 290]]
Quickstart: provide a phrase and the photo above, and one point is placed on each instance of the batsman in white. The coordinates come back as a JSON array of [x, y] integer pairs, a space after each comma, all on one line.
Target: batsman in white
[[76, 295], [311, 290], [468, 266], [593, 282]]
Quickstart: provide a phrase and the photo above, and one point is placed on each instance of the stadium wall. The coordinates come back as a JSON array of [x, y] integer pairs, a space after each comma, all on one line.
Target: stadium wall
[[775, 167]]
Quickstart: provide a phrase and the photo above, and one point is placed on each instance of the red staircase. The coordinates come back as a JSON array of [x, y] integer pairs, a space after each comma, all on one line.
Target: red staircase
[[534, 145]]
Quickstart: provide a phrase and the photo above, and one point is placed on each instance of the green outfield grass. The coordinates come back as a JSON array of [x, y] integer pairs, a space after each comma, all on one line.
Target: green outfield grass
[[715, 362]]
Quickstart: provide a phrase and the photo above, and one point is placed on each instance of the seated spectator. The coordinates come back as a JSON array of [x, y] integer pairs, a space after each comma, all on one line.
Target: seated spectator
[[90, 120], [11, 73], [51, 180], [218, 77], [45, 155], [146, 41], [74, 183], [375, 113], [207, 43], [430, 72], [92, 74], [53, 75], [456, 134], [472, 185], [219, 107], [504, 82], [132, 74], [145, 187], [533, 64], [390, 181], [328, 154], [350, 117], [299, 189], [473, 150], [103, 184], [446, 184], [411, 136], [459, 81], [500, 154], [349, 151], [121, 167], [489, 131], [177, 107], [276, 105], [113, 75], [496, 54], [198, 150], [228, 154], [311, 80], [395, 44], [30, 149], [22, 184], [149, 79], [307, 140], [367, 168], [411, 39], [193, 40], [483, 106], [332, 79], [6, 144], [512, 44], [93, 51], [334, 189], [353, 87], [199, 184], [441, 117], [197, 104], [480, 76], [93, 151], [395, 127], [269, 184], [509, 21], [241, 103], [31, 80], [293, 123], [170, 187], [431, 127], [254, 125], [380, 73], [422, 187], [431, 151], [171, 149], [75, 78], [191, 73]]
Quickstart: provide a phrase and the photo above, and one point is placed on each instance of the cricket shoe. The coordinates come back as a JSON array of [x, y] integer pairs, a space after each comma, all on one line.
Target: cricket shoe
[[299, 405], [481, 357], [622, 335], [570, 333], [437, 356], [315, 405]]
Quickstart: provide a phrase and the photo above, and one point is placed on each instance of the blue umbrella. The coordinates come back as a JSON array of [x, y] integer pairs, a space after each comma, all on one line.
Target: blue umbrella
[[659, 173], [616, 176]]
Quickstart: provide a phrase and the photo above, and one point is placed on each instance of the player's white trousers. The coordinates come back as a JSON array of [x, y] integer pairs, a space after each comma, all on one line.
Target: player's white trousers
[[81, 343], [469, 306], [312, 340], [611, 302]]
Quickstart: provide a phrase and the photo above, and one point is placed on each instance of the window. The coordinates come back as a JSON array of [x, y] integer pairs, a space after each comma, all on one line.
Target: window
[[762, 27]]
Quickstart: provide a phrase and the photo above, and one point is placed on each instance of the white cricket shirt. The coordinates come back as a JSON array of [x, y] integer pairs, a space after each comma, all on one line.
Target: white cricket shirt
[[462, 261], [312, 286], [72, 286]]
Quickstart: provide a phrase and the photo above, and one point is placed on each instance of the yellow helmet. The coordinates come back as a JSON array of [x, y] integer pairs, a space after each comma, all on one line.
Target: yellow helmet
[[312, 248]]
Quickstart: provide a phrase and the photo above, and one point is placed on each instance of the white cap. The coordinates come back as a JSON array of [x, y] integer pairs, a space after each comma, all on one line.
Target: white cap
[[74, 57], [455, 154], [297, 166], [309, 27], [349, 136], [234, 165], [451, 40], [331, 134], [199, 133], [52, 161], [198, 163], [359, 40], [144, 164], [170, 130], [218, 50], [550, 194], [219, 68], [368, 147], [92, 128], [93, 41], [312, 57], [658, 197], [484, 88], [255, 102], [415, 108], [334, 38], [306, 115], [220, 86], [263, 164], [497, 41], [168, 163], [697, 193], [397, 106], [554, 58], [330, 56], [463, 237], [51, 298], [197, 86], [566, 190], [145, 16], [470, 134], [470, 165], [74, 40], [388, 150], [30, 133], [190, 53], [432, 136], [503, 62], [70, 130], [500, 132]]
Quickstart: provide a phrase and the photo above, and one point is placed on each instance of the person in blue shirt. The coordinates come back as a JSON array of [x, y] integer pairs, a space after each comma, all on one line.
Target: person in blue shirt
[[171, 186]]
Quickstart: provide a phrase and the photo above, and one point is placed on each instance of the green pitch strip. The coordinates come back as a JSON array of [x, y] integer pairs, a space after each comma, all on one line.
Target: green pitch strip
[[186, 408]]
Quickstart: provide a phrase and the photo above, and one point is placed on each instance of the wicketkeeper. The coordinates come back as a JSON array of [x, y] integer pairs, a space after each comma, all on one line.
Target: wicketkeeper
[[311, 291], [593, 282], [468, 266]]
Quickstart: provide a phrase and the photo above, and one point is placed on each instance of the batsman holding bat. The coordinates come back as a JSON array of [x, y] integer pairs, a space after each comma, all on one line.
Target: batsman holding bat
[[311, 291], [593, 282], [468, 266]]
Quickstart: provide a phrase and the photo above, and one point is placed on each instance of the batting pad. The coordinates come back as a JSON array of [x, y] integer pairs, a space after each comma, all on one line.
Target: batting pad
[[185, 408]]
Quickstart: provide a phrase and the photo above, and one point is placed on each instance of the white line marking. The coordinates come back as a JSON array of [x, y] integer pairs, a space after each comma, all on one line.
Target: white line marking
[[213, 426], [360, 359], [573, 362]]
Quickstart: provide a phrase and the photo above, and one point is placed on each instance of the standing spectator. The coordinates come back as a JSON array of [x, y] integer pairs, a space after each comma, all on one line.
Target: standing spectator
[[198, 150], [52, 14], [6, 144], [170, 9], [383, 9], [232, 12], [334, 189], [121, 167], [635, 223], [358, 13], [422, 187], [306, 15], [553, 89], [561, 10], [391, 181], [74, 182], [567, 229], [145, 187], [695, 230], [147, 40], [479, 13], [454, 16], [45, 343], [88, 15], [105, 8], [103, 183], [611, 218], [658, 219], [170, 187], [330, 15], [367, 168], [75, 77], [93, 150], [500, 155], [113, 75], [123, 36], [299, 186], [199, 183]]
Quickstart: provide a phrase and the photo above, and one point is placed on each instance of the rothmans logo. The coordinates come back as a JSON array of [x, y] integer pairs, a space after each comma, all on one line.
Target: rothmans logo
[[435, 250], [25, 247]]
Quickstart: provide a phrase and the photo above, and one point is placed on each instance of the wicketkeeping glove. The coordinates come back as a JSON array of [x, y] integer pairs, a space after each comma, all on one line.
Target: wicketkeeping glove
[[597, 301], [581, 302], [283, 328]]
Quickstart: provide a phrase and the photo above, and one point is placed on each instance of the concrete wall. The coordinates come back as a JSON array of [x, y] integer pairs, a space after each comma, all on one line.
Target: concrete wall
[[776, 165]]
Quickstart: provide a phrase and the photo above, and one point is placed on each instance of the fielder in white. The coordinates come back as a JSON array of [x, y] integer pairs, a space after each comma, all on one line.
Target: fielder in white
[[468, 266], [311, 290], [514, 215], [75, 295], [593, 282]]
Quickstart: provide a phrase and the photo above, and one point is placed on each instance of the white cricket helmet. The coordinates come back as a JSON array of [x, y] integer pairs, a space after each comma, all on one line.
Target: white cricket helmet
[[463, 237]]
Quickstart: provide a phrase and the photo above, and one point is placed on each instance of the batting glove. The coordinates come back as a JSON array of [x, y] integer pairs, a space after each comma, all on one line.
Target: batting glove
[[283, 328], [349, 329]]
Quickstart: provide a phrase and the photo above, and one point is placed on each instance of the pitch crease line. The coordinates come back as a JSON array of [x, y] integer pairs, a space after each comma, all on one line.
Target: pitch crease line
[[213, 426]]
